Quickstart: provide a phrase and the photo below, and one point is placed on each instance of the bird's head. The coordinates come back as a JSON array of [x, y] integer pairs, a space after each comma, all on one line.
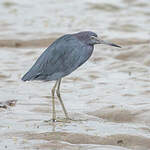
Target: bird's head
[[91, 38]]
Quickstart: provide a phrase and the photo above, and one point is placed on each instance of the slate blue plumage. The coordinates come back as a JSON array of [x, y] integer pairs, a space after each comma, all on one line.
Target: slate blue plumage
[[62, 57]]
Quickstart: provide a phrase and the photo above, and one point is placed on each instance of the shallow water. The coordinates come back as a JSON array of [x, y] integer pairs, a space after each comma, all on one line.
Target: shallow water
[[110, 92]]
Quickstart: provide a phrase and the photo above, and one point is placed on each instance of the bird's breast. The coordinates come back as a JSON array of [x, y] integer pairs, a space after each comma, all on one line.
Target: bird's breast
[[88, 51]]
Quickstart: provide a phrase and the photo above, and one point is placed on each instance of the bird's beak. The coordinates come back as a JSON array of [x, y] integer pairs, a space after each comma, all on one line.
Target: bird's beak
[[99, 41]]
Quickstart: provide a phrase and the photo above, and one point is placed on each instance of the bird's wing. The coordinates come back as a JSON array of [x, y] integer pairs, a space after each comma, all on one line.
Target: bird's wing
[[59, 59]]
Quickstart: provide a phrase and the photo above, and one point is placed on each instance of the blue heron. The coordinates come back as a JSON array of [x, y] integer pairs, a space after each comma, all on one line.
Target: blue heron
[[61, 58]]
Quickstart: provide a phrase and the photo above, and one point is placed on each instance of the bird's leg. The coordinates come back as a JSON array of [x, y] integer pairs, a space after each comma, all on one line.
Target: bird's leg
[[53, 103], [60, 99]]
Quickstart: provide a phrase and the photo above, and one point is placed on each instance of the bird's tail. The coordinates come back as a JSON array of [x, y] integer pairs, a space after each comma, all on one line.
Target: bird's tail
[[26, 77]]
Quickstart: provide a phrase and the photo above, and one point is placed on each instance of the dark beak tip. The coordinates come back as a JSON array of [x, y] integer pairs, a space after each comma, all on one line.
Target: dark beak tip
[[119, 46], [116, 45]]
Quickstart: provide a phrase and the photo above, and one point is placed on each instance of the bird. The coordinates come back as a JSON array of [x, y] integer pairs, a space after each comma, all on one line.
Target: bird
[[61, 58]]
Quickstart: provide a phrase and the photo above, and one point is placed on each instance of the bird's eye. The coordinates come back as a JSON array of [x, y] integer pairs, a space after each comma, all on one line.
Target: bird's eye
[[92, 37]]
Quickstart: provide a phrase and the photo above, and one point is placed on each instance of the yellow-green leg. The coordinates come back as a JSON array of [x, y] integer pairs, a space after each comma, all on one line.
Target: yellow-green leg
[[56, 89], [60, 99], [53, 102]]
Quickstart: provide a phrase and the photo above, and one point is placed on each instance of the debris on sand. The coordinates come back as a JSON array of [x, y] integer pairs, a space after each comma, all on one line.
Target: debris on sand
[[8, 103]]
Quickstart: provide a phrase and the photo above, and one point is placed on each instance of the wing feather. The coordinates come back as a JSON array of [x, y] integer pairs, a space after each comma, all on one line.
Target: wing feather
[[58, 60]]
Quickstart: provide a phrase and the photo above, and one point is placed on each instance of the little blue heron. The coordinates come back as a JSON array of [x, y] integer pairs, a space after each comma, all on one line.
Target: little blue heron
[[61, 58]]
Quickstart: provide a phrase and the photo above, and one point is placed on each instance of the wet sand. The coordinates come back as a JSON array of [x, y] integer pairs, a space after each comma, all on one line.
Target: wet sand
[[110, 93]]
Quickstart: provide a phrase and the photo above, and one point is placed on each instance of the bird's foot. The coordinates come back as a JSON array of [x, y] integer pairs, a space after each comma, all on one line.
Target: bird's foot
[[64, 120], [68, 120]]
